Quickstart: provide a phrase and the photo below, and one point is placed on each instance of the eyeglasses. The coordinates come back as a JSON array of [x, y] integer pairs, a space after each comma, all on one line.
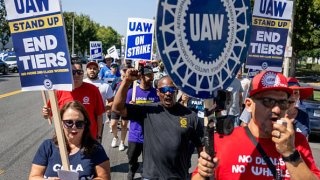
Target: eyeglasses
[[78, 71], [166, 89], [70, 123], [270, 103]]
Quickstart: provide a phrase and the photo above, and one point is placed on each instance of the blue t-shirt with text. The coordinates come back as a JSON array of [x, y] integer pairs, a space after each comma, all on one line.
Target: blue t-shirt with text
[[48, 155]]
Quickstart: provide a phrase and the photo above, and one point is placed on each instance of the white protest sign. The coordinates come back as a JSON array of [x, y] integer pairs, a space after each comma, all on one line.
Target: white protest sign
[[113, 52]]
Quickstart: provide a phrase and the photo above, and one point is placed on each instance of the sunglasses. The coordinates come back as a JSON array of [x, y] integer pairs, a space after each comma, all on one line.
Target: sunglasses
[[70, 123], [166, 89], [78, 71], [270, 103]]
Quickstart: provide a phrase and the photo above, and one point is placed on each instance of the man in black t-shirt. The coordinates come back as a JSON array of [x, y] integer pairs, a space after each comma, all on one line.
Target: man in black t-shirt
[[168, 127]]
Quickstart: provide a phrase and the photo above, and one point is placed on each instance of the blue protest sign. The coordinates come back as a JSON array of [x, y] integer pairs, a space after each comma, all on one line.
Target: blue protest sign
[[40, 44], [270, 25], [203, 43], [139, 38], [96, 50]]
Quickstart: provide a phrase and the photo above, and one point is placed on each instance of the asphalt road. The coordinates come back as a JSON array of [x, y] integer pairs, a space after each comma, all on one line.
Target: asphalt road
[[22, 129]]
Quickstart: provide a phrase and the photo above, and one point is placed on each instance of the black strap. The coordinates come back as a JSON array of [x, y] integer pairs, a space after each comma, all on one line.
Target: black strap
[[263, 154]]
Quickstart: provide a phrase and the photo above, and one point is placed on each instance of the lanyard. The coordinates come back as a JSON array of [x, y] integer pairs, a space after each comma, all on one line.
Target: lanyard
[[265, 157]]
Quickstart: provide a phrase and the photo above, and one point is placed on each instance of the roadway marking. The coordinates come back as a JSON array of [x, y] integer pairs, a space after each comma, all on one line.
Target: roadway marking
[[10, 94]]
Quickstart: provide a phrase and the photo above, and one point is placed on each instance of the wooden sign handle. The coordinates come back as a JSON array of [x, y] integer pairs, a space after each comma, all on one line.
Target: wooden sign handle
[[59, 131]]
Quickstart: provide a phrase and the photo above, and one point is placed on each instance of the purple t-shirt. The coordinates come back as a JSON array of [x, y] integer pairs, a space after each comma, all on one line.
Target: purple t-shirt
[[142, 97]]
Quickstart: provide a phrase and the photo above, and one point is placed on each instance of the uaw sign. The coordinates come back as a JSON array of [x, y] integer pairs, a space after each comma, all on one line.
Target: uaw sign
[[40, 44], [96, 50], [203, 43], [270, 26], [139, 38]]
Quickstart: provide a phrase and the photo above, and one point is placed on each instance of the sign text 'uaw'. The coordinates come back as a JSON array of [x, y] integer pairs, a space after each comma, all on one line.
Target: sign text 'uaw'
[[203, 43], [270, 25], [139, 38]]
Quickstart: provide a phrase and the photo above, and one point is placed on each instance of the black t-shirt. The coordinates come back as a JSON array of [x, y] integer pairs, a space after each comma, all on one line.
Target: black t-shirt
[[166, 138]]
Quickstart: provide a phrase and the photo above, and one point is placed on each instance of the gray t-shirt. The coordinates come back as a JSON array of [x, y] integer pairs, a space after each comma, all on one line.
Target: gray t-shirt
[[235, 88], [166, 138]]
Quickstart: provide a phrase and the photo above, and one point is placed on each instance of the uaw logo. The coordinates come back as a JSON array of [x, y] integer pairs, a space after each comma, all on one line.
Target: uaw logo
[[86, 100], [203, 43], [183, 122], [47, 84], [270, 79]]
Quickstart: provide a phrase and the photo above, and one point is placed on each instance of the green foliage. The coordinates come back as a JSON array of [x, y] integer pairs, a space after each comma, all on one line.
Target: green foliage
[[109, 37], [4, 25], [86, 30]]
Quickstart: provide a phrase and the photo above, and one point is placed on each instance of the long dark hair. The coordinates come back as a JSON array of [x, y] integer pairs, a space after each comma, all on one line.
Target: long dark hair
[[88, 144]]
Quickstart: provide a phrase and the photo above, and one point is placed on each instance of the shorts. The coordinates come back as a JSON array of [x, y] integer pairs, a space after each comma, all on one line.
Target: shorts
[[115, 116]]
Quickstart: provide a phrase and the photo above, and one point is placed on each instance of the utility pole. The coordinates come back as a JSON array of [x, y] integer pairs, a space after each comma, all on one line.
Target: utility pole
[[72, 49], [288, 59]]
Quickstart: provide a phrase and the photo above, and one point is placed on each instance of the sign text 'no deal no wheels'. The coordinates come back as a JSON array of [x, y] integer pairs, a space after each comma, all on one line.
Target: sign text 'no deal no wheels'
[[40, 44], [203, 43]]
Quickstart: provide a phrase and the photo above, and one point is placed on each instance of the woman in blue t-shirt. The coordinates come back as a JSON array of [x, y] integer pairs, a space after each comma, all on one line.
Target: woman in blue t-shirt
[[86, 156]]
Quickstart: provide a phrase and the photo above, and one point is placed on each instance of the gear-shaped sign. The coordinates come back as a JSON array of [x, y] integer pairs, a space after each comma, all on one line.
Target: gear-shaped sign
[[203, 43]]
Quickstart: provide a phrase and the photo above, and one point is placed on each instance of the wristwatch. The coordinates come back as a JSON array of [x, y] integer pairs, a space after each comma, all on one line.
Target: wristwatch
[[294, 157]]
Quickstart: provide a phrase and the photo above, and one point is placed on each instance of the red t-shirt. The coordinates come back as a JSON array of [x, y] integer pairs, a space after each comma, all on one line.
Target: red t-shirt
[[239, 159], [90, 97]]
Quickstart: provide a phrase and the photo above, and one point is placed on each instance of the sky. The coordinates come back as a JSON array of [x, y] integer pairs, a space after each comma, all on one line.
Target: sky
[[114, 13]]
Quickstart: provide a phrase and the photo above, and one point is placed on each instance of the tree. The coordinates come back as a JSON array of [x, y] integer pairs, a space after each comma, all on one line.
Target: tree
[[109, 37], [4, 25]]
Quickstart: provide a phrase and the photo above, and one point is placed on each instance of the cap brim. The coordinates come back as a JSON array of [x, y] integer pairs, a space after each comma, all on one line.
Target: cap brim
[[285, 89], [305, 92]]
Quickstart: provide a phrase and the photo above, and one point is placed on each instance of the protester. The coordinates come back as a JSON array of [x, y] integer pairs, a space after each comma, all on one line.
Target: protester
[[85, 93], [161, 72], [168, 127], [115, 118], [145, 93], [104, 88], [114, 73], [106, 70], [86, 156], [234, 111], [268, 148], [301, 119]]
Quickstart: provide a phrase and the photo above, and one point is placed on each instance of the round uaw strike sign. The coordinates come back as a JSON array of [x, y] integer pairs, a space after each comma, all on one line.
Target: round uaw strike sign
[[203, 42]]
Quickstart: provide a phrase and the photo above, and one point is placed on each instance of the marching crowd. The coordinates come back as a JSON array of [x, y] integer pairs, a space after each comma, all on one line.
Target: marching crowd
[[268, 140]]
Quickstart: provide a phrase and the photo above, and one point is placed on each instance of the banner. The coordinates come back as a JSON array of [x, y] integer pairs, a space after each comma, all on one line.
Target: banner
[[39, 39], [139, 38], [203, 43], [113, 52], [270, 26], [96, 50]]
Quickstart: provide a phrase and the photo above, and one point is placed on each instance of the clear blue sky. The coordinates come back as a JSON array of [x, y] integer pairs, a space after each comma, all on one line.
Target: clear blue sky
[[114, 13]]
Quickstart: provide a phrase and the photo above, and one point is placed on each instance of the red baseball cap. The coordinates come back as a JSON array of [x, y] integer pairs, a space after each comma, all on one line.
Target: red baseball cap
[[269, 80], [304, 92], [92, 63]]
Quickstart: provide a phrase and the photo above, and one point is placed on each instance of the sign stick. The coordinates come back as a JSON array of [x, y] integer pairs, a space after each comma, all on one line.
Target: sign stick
[[44, 99], [59, 131], [209, 129], [134, 87]]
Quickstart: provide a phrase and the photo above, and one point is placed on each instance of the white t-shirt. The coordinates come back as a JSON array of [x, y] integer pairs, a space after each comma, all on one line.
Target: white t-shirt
[[105, 91]]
